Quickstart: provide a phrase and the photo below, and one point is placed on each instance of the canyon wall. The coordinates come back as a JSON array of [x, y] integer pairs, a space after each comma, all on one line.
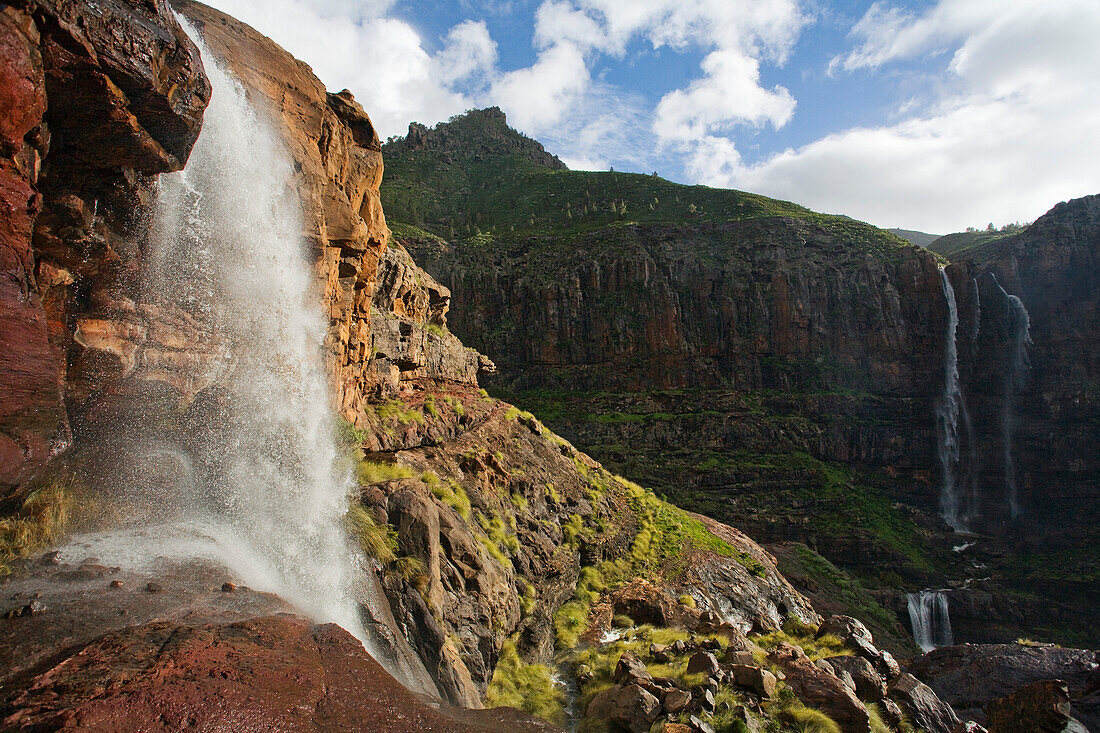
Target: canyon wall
[[781, 373]]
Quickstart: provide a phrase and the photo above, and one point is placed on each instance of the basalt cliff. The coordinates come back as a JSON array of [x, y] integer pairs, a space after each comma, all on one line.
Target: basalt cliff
[[785, 371], [505, 580]]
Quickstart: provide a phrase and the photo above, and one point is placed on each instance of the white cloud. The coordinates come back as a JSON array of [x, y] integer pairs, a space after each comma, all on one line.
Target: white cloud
[[1012, 132], [1001, 134], [381, 59]]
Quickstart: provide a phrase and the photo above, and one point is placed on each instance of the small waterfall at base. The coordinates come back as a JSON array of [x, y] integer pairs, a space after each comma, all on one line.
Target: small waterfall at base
[[929, 618], [1020, 330], [948, 408], [267, 491]]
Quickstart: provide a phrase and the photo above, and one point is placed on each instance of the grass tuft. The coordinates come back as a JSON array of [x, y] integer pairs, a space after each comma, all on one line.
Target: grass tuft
[[40, 522], [377, 540], [529, 687]]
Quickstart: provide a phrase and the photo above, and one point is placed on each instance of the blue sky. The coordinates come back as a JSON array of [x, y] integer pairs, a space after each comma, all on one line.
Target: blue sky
[[925, 114]]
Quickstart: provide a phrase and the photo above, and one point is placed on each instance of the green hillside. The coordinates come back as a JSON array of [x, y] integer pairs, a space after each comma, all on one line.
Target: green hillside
[[476, 179]]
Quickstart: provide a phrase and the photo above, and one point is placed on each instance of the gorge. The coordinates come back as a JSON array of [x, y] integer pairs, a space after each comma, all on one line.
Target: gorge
[[251, 480]]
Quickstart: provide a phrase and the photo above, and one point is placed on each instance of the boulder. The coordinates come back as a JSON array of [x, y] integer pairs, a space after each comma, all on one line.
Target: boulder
[[754, 679], [630, 671], [970, 676], [856, 637], [676, 700], [299, 676], [1041, 707], [923, 708], [818, 689], [625, 708], [702, 661], [869, 685]]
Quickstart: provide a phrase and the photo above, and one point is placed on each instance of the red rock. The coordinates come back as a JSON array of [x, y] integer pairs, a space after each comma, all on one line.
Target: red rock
[[268, 673]]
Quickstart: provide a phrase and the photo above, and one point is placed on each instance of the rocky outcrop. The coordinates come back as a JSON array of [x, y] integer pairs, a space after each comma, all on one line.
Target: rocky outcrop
[[87, 119], [502, 516], [970, 676], [1041, 706]]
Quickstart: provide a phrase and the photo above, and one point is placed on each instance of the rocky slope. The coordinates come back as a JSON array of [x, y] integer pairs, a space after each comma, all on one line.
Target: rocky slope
[[768, 366]]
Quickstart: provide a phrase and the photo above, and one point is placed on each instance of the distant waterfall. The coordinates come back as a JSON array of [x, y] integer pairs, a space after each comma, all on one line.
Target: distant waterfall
[[929, 619], [1015, 375], [948, 408]]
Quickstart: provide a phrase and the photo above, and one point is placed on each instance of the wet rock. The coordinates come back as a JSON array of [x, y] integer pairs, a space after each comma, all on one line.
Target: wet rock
[[228, 587], [30, 609], [921, 705], [161, 675], [702, 661], [1041, 707], [116, 584], [153, 587]]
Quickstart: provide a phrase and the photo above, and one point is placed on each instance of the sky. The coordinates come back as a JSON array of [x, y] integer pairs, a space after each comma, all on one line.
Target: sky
[[932, 115]]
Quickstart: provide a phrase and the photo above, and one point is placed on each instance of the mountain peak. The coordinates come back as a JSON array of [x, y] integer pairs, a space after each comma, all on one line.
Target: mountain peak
[[477, 134]]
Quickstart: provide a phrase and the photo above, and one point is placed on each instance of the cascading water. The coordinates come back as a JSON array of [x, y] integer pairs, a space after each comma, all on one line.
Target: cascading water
[[929, 619], [1020, 329], [266, 493], [948, 408]]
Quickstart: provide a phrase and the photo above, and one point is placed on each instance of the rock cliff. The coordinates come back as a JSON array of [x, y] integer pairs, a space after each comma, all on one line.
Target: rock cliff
[[772, 367]]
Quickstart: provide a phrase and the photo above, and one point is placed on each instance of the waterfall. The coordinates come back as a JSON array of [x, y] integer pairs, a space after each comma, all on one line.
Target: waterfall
[[1020, 332], [265, 490], [929, 619], [948, 407]]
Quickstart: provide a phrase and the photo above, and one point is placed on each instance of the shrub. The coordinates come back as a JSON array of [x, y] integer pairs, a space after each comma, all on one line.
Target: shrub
[[377, 540], [429, 406], [348, 435]]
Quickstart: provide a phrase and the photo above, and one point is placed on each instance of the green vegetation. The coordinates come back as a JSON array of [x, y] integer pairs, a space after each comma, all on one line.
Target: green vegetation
[[397, 411], [373, 472], [377, 540], [436, 330], [450, 492], [41, 520], [482, 183], [808, 720], [799, 634], [834, 591], [430, 408], [348, 435], [529, 687]]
